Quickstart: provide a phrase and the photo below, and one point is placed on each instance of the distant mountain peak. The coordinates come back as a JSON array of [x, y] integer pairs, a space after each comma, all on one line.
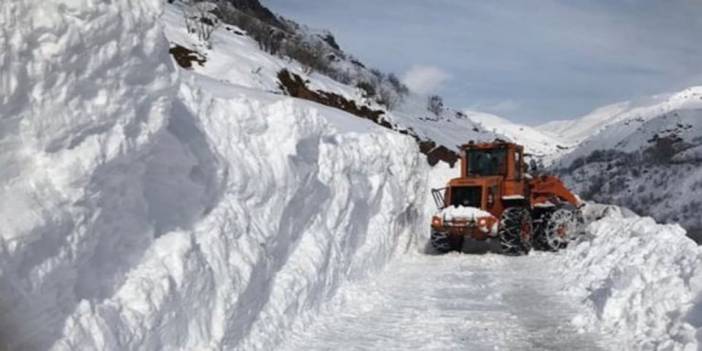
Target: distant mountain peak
[[578, 130]]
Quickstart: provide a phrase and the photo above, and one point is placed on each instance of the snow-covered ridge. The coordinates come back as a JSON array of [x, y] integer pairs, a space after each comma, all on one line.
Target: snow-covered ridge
[[646, 161], [577, 130], [639, 134]]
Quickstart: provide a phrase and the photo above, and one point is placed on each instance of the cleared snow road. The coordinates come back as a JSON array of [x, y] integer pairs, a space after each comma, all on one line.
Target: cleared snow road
[[451, 302]]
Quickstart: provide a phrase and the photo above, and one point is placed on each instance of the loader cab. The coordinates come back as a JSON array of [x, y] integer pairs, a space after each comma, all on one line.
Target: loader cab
[[498, 168], [492, 178], [500, 158]]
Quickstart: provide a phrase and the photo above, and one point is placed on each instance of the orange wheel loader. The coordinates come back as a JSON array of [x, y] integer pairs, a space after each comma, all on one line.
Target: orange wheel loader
[[495, 198]]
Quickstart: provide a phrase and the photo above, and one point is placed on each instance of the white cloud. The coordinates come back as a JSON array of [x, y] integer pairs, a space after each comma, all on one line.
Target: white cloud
[[425, 79]]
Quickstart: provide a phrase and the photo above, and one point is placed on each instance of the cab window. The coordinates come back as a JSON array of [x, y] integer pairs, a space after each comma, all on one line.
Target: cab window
[[486, 162]]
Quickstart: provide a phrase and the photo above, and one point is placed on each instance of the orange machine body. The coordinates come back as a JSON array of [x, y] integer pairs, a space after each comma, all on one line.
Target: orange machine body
[[493, 178]]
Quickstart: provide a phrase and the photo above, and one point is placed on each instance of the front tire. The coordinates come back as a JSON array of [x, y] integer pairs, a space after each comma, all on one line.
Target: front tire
[[515, 231], [557, 229], [444, 243]]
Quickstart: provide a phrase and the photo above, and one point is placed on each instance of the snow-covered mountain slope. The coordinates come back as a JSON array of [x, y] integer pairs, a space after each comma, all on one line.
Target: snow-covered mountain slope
[[647, 161], [638, 132], [236, 58], [542, 146], [577, 130], [145, 208]]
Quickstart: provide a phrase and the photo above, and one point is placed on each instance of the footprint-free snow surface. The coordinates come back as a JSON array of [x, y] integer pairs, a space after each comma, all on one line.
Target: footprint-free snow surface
[[453, 302]]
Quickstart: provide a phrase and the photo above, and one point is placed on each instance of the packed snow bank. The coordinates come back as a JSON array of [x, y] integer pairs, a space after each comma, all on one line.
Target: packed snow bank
[[641, 280], [312, 198], [139, 215], [85, 90], [437, 178]]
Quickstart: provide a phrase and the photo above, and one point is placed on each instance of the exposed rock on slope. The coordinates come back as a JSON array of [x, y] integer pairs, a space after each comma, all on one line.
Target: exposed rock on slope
[[293, 85]]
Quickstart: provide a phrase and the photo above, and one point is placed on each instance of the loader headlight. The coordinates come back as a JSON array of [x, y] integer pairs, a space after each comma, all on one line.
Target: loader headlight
[[436, 221]]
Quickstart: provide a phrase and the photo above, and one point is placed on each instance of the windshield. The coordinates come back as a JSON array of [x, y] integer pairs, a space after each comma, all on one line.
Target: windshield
[[486, 162]]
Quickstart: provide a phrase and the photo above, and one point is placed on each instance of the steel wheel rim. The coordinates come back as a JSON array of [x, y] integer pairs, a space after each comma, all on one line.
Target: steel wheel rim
[[561, 233]]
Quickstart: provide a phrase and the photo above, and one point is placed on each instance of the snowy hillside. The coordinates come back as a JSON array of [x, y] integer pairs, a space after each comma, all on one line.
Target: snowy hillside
[[647, 161], [636, 128], [577, 130], [236, 58]]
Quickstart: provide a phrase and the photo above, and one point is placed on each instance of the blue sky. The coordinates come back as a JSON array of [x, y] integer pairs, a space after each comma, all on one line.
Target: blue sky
[[530, 61]]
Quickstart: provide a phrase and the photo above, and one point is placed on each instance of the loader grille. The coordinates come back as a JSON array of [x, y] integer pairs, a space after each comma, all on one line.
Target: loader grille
[[466, 196]]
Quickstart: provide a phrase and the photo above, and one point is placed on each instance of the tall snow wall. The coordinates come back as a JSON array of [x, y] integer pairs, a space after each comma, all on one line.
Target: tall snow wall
[[142, 210]]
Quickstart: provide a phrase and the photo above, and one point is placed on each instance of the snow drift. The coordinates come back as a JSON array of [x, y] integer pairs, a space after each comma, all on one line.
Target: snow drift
[[141, 210], [304, 207], [641, 281], [86, 89]]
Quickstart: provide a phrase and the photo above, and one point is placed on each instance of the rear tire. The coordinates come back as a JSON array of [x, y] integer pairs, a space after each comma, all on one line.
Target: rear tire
[[515, 231], [557, 228], [444, 243]]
